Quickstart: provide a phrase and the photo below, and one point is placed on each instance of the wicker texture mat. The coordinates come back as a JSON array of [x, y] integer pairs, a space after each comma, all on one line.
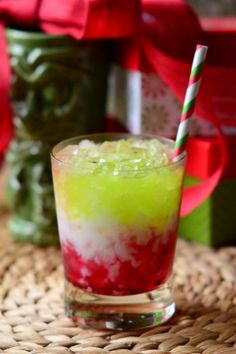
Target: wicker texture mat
[[32, 319]]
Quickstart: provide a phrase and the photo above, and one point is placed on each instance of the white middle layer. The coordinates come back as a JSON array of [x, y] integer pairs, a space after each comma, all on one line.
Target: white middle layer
[[104, 239]]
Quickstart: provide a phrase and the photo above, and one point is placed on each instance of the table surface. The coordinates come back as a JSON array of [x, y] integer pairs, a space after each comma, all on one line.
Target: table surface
[[32, 317]]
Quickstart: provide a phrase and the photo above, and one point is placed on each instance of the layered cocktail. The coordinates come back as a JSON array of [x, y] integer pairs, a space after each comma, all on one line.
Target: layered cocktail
[[117, 200]]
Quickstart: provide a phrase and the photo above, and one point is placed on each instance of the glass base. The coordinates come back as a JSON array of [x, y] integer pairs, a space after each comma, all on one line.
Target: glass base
[[119, 312]]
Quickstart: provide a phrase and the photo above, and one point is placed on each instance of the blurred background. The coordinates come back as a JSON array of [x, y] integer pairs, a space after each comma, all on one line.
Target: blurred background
[[139, 99]]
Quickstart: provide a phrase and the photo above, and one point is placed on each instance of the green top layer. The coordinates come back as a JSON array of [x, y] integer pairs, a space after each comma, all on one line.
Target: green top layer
[[128, 181]]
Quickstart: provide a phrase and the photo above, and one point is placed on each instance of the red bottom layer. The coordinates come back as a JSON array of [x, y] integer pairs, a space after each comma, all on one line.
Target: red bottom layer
[[152, 267]]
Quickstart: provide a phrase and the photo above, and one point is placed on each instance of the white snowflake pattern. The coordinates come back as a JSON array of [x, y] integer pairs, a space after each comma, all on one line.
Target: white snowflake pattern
[[152, 86]]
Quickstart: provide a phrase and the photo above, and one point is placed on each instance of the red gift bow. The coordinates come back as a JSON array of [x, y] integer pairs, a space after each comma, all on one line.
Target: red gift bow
[[167, 34]]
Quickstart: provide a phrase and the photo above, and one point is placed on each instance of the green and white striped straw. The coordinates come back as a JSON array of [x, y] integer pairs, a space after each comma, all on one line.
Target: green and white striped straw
[[189, 101]]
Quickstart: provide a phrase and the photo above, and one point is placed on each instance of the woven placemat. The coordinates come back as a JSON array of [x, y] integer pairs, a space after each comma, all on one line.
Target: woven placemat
[[32, 317]]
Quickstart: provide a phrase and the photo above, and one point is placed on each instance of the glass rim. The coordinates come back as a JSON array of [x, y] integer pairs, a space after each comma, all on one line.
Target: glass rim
[[92, 136]]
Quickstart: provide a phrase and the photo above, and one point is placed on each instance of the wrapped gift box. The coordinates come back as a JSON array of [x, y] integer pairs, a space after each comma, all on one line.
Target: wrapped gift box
[[144, 103], [214, 222]]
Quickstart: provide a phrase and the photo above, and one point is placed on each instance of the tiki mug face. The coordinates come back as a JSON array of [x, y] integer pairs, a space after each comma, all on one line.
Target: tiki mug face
[[58, 90], [58, 85]]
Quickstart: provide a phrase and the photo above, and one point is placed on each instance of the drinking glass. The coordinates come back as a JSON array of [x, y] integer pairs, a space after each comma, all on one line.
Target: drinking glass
[[117, 227]]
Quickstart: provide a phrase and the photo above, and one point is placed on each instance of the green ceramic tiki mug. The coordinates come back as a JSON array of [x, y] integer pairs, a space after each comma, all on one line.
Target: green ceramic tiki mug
[[58, 90]]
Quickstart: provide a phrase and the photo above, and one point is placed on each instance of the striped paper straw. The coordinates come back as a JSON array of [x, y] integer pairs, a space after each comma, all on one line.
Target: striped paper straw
[[189, 101]]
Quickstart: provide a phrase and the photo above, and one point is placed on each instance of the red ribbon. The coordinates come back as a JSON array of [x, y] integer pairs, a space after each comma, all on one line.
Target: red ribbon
[[5, 108], [170, 70]]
